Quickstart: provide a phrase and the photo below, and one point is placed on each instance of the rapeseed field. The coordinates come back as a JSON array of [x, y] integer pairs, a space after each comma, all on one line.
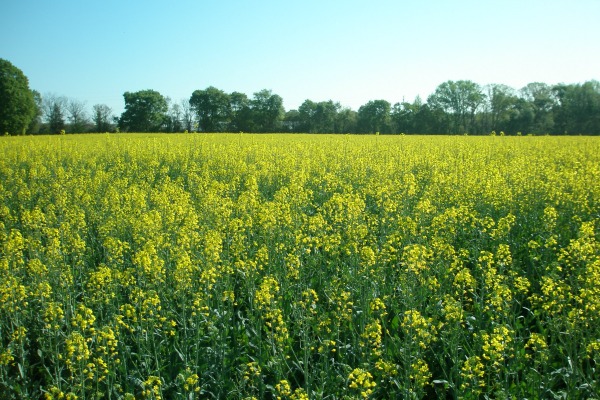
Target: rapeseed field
[[299, 267]]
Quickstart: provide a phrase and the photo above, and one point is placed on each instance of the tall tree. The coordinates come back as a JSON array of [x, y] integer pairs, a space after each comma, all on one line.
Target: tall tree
[[50, 101], [145, 111], [578, 108], [102, 115], [77, 116], [267, 111], [36, 121], [345, 121], [417, 117], [375, 117], [291, 121], [403, 116], [460, 100], [306, 116], [522, 118], [240, 118], [212, 109], [17, 104], [501, 102], [543, 99], [325, 116], [187, 115], [322, 117], [175, 118], [54, 109], [56, 119]]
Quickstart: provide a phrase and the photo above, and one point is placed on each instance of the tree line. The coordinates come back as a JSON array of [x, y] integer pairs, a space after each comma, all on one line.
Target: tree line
[[455, 107]]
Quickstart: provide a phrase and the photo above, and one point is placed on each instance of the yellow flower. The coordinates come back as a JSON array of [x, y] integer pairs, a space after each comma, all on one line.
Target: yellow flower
[[419, 373], [538, 347], [416, 258], [152, 387], [420, 329], [269, 288], [496, 346], [371, 338], [362, 381], [283, 390], [309, 302], [377, 307], [472, 373]]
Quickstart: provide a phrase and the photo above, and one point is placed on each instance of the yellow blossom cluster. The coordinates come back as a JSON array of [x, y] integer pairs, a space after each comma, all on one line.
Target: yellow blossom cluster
[[361, 381], [497, 346], [419, 329]]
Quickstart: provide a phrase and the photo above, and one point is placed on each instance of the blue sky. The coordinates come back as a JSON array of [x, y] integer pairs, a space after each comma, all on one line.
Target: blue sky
[[345, 50]]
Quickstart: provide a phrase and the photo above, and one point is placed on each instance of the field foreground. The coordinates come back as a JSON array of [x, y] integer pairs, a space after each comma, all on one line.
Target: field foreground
[[296, 266]]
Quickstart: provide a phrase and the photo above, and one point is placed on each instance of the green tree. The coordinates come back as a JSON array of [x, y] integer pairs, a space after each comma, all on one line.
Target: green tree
[[542, 99], [345, 121], [375, 117], [17, 104], [325, 116], [291, 121], [240, 113], [145, 111], [102, 115], [461, 101], [404, 116], [306, 116], [501, 102], [578, 108], [56, 119], [212, 109], [36, 121], [418, 117], [522, 118], [267, 111]]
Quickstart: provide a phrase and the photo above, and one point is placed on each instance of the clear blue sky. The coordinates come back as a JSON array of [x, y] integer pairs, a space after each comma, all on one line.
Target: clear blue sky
[[344, 50]]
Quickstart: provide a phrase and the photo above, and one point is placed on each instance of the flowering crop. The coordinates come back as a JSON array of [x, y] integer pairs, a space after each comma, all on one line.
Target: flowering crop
[[297, 266]]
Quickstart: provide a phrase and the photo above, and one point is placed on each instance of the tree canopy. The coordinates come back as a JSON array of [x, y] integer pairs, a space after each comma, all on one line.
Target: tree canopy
[[267, 111], [212, 108], [17, 104], [455, 107], [101, 117], [145, 111], [374, 117]]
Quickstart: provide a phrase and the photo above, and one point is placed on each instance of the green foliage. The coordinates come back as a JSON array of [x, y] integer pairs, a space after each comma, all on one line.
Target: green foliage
[[541, 99], [17, 105], [579, 108], [217, 111], [455, 107], [56, 120], [460, 100], [318, 117], [241, 113], [212, 109], [374, 117], [267, 111], [145, 111]]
